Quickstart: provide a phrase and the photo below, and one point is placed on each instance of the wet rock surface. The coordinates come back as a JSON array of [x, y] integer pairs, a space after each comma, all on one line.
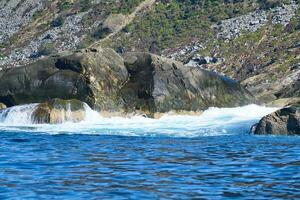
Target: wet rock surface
[[57, 111], [285, 121]]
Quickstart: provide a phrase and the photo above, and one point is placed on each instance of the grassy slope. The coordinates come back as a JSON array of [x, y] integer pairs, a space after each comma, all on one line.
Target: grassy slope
[[177, 22]]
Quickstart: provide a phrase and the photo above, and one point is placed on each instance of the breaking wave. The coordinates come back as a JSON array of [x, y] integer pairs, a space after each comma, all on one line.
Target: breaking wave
[[213, 122]]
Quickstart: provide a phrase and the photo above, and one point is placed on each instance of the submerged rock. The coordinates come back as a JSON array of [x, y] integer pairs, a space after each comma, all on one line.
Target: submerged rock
[[140, 82], [58, 111], [285, 121]]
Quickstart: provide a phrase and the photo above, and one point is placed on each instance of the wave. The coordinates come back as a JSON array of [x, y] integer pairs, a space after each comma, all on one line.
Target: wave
[[213, 122]]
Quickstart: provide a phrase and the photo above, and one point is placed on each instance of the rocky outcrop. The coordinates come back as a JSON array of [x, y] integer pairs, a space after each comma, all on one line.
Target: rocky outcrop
[[158, 84], [140, 82], [57, 111], [285, 121], [284, 102], [92, 76], [234, 27]]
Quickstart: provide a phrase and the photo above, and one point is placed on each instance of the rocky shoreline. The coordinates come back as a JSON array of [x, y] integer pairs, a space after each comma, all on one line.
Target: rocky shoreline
[[134, 83], [285, 121], [137, 82]]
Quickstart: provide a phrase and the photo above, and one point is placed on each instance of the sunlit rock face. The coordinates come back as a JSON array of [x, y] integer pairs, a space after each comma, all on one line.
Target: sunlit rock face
[[285, 121], [92, 76], [108, 82], [158, 84]]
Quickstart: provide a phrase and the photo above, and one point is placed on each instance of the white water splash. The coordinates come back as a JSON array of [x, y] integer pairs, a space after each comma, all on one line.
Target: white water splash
[[22, 115], [214, 121], [17, 115]]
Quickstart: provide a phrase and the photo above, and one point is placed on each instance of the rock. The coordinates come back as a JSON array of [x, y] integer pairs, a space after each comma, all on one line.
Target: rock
[[285, 121], [284, 102], [93, 76], [289, 87], [232, 28], [2, 106], [185, 53], [158, 84], [142, 82], [268, 90], [58, 111]]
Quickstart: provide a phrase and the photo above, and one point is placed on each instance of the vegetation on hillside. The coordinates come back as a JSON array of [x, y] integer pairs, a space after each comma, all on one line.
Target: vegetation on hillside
[[271, 52], [176, 21]]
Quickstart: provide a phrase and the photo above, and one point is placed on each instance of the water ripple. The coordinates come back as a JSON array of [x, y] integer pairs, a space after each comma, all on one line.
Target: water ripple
[[116, 167]]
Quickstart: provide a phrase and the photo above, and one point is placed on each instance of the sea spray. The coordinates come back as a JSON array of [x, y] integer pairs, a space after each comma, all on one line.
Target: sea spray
[[23, 115], [214, 121], [91, 116], [17, 115]]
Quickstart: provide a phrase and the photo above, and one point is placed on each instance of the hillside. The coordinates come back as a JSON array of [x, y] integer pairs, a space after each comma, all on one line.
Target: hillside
[[255, 42]]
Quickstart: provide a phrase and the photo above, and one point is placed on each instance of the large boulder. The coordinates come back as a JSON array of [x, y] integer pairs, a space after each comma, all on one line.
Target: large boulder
[[285, 121], [93, 76], [140, 82], [158, 84], [57, 111]]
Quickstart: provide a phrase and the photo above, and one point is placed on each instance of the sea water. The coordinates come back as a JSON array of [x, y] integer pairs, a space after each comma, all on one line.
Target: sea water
[[210, 156]]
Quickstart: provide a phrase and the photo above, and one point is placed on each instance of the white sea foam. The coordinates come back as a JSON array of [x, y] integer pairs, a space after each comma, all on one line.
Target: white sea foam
[[17, 115], [214, 121]]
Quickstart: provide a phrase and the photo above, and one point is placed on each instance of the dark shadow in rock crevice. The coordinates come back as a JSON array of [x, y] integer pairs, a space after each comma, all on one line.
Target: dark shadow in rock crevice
[[69, 64], [137, 92], [8, 100]]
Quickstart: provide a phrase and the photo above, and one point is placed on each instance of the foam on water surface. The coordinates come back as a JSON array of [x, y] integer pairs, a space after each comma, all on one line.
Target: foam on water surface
[[213, 122]]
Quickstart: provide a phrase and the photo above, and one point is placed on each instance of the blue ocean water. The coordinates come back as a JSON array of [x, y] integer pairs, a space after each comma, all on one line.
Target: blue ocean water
[[211, 156]]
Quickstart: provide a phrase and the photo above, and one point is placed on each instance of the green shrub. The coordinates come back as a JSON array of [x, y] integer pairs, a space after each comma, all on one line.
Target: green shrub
[[64, 5], [85, 4], [267, 4]]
